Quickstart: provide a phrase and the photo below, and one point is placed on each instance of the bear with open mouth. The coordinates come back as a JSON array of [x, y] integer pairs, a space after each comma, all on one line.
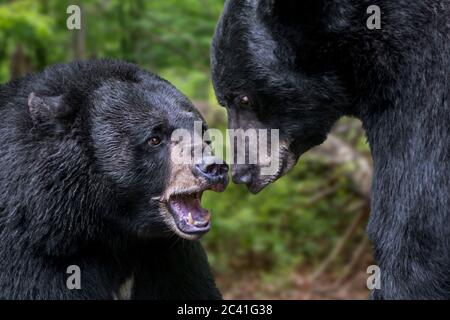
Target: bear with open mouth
[[89, 180]]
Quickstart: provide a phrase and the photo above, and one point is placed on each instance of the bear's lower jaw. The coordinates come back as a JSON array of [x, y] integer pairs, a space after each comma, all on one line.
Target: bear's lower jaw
[[190, 218], [259, 181]]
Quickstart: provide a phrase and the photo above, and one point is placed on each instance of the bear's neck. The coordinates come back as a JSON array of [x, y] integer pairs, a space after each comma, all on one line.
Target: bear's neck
[[407, 121]]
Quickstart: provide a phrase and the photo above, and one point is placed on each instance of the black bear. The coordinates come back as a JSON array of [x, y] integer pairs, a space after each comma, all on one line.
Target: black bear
[[298, 66], [93, 204]]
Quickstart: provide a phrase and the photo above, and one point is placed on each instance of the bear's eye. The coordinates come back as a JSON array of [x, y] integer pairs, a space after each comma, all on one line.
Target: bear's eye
[[244, 101], [154, 141]]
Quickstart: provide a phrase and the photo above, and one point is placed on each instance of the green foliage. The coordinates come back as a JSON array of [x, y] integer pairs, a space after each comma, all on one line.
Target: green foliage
[[22, 23], [191, 82], [173, 36]]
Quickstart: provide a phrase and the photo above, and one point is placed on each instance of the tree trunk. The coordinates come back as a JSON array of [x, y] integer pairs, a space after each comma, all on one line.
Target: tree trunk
[[20, 63], [79, 39]]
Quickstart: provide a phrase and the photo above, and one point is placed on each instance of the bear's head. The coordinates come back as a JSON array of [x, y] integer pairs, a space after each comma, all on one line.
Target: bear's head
[[135, 134], [274, 66]]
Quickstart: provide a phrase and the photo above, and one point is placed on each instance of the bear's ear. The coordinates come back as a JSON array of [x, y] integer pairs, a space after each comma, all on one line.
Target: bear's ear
[[44, 108]]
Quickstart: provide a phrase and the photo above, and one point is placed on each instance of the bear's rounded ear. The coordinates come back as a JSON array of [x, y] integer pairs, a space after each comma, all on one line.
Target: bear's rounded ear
[[44, 108]]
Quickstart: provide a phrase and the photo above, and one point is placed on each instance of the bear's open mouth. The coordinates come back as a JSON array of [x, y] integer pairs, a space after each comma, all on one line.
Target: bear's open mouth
[[188, 213]]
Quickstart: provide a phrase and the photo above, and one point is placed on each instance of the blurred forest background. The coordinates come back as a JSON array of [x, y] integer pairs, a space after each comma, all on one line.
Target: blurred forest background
[[301, 238]]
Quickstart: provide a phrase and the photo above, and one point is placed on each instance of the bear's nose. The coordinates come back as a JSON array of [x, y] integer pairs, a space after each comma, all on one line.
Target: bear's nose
[[213, 169]]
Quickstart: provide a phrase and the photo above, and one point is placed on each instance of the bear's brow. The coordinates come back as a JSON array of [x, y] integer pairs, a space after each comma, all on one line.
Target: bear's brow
[[158, 123]]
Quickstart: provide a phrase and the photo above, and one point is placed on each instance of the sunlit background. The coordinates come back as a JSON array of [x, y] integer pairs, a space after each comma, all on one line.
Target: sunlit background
[[301, 238]]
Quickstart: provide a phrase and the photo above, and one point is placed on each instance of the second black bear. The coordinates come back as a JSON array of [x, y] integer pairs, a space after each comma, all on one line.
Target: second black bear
[[88, 183], [298, 66]]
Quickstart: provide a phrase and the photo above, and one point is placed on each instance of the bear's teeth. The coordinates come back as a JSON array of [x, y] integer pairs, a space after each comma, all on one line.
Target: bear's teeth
[[190, 219], [199, 223]]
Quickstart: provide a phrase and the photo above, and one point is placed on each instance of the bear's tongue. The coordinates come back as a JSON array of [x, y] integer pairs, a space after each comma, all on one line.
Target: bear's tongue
[[189, 216]]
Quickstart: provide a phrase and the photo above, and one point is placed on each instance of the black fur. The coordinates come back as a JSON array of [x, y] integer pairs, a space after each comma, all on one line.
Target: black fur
[[307, 63], [76, 182]]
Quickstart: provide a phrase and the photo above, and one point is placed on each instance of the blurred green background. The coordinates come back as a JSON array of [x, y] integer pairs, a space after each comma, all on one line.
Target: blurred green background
[[301, 238]]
